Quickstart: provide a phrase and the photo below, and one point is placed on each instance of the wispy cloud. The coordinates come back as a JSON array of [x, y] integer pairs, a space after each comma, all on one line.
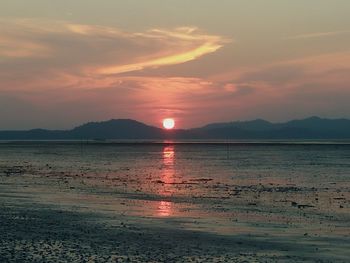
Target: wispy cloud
[[101, 50], [11, 47], [318, 35], [187, 44]]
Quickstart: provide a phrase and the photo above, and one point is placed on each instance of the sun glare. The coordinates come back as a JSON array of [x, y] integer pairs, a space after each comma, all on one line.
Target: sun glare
[[168, 123]]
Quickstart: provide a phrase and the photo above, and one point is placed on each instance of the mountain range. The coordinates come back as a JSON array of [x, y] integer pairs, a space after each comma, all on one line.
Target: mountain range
[[119, 129]]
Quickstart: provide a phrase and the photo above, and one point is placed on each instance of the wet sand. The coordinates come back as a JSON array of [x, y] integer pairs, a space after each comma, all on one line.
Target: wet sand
[[51, 213]]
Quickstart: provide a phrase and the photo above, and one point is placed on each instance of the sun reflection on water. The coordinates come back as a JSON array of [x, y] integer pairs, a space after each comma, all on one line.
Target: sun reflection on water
[[168, 157], [165, 208]]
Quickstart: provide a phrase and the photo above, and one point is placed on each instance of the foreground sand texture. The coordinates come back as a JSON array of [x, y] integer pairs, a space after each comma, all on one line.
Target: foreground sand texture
[[68, 202]]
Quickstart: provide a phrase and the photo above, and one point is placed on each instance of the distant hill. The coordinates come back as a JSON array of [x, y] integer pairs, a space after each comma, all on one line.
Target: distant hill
[[116, 129], [112, 129], [255, 125], [310, 128]]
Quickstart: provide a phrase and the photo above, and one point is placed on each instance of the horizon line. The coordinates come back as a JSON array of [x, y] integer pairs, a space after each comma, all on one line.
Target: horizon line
[[177, 129]]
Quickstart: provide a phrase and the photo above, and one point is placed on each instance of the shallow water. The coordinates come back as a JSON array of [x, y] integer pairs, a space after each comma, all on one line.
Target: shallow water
[[308, 164], [188, 170], [270, 190]]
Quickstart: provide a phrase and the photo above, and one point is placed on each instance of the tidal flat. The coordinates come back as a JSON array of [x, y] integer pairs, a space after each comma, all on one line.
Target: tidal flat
[[174, 202]]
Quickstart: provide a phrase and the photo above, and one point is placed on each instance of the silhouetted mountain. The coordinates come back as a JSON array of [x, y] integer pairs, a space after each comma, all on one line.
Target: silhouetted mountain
[[255, 125], [310, 128], [316, 123], [117, 129], [112, 129]]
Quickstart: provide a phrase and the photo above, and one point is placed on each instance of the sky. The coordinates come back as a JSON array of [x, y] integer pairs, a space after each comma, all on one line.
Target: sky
[[64, 63]]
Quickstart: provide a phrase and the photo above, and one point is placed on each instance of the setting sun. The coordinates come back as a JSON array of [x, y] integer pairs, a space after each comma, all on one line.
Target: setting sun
[[168, 123]]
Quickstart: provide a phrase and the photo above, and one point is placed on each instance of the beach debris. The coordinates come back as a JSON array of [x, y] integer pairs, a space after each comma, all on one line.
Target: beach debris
[[305, 206], [14, 170], [204, 180], [159, 182]]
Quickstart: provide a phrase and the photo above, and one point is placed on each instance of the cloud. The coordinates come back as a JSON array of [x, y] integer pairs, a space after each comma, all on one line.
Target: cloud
[[11, 47], [314, 85], [190, 100], [276, 75], [86, 72], [90, 72], [318, 35], [99, 50], [186, 44], [282, 73]]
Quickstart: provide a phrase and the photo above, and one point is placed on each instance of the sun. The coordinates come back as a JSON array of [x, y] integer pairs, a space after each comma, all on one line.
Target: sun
[[168, 123]]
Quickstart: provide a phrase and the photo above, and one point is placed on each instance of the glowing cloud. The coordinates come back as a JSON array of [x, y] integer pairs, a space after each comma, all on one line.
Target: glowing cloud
[[192, 45], [99, 50]]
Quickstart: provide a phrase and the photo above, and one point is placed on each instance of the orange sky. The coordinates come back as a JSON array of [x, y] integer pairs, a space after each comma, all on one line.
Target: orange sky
[[66, 63]]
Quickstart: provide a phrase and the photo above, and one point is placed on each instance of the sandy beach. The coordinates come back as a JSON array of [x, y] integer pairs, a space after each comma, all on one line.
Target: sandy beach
[[57, 208]]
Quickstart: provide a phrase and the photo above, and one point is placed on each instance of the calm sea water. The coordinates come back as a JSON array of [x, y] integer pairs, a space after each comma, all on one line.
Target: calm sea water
[[309, 163], [224, 188]]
